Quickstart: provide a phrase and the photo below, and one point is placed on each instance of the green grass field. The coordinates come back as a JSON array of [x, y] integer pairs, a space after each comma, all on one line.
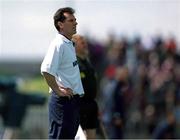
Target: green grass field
[[35, 84]]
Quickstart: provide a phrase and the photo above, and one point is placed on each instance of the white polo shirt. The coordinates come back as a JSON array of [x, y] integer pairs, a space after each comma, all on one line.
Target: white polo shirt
[[61, 62]]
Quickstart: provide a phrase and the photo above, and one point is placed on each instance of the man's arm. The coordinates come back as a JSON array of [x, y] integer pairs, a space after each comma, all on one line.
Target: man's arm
[[61, 91]]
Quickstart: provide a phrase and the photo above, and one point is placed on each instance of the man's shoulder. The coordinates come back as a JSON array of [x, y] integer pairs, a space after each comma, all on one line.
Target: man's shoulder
[[57, 42]]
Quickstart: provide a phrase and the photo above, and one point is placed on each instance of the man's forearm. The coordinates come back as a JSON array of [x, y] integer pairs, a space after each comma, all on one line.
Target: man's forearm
[[61, 91], [51, 81]]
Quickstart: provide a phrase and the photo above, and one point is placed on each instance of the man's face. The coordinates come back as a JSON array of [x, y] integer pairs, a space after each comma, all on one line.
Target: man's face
[[69, 25]]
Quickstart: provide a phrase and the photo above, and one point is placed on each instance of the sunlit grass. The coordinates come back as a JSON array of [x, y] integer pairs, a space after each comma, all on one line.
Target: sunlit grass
[[35, 84]]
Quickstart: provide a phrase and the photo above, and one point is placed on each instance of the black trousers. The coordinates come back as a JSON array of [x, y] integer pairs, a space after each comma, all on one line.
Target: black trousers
[[88, 114], [64, 117]]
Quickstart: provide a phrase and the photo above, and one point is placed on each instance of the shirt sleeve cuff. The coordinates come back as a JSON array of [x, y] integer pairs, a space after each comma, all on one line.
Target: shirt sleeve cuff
[[48, 70]]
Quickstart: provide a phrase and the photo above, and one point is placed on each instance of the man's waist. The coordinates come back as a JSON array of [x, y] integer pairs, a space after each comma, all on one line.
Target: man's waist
[[78, 94], [74, 94]]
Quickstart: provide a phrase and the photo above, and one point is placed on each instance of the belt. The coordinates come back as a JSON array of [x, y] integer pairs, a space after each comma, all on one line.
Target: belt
[[78, 95], [74, 95]]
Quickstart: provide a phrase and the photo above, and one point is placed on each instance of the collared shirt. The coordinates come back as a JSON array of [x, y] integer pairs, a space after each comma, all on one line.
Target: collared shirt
[[61, 62]]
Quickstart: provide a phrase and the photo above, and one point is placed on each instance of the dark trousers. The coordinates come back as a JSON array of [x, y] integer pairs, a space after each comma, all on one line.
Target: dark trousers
[[88, 114], [64, 117]]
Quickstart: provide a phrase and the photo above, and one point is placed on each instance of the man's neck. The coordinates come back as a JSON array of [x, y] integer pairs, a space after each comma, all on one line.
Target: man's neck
[[66, 36]]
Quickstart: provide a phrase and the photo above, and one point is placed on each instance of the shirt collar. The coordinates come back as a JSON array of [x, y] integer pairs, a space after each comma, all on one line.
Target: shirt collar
[[64, 38]]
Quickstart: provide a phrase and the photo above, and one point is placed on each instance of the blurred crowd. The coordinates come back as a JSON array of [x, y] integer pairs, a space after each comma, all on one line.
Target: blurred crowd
[[139, 86]]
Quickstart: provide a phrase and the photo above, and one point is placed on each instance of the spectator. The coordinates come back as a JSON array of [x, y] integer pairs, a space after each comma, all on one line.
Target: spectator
[[88, 106]]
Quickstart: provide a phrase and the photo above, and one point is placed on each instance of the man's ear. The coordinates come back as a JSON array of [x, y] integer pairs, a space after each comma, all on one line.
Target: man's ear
[[60, 24]]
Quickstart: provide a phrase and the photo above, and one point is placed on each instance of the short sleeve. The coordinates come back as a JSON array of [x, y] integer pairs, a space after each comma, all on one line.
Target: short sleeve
[[52, 59]]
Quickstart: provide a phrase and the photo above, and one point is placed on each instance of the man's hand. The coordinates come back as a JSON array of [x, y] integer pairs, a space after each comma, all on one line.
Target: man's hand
[[65, 92]]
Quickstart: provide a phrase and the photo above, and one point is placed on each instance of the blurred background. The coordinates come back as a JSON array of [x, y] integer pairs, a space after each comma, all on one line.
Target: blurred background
[[134, 46]]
